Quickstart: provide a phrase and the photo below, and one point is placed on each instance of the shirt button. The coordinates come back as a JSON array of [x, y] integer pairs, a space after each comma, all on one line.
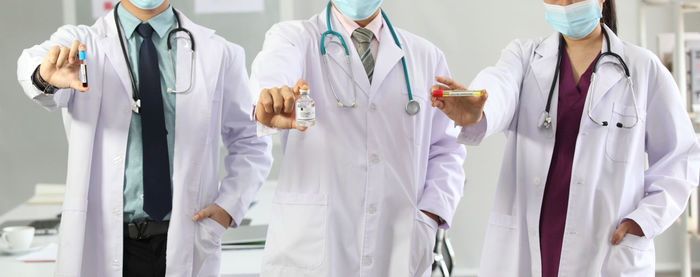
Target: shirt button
[[366, 260], [374, 158], [372, 107], [372, 209], [141, 196]]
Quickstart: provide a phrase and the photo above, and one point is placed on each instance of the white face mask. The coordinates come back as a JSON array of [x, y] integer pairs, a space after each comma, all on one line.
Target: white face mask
[[147, 4]]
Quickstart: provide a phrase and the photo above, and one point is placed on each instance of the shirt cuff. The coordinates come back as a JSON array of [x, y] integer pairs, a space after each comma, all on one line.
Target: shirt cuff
[[234, 207], [648, 226], [473, 135]]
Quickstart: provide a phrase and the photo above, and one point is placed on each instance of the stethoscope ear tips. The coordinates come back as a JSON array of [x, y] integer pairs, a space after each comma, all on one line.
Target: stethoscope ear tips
[[605, 123], [619, 125]]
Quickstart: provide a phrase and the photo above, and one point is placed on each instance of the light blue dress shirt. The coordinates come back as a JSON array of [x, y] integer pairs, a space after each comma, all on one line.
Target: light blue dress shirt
[[133, 173]]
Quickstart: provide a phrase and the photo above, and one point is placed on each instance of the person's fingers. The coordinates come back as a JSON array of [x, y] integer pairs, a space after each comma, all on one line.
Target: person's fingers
[[301, 83], [73, 54], [440, 104], [278, 101], [295, 126], [78, 85], [444, 80], [619, 234], [282, 122], [202, 214], [266, 101], [288, 97], [62, 57], [52, 56]]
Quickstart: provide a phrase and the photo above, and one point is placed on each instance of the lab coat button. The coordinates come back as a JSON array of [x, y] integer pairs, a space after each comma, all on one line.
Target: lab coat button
[[118, 159], [537, 181], [372, 209], [374, 158], [372, 107], [116, 263], [116, 212], [366, 260]]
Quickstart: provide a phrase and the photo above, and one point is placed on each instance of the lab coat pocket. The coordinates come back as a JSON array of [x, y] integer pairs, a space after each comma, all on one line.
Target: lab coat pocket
[[619, 141], [207, 254], [501, 242], [422, 244], [633, 257], [210, 233], [296, 238]]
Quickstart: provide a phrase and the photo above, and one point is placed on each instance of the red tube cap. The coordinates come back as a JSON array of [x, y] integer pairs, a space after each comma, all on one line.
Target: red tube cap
[[437, 93]]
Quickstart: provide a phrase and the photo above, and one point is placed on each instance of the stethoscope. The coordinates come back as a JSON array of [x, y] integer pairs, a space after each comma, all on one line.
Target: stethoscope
[[412, 107], [546, 119], [136, 98]]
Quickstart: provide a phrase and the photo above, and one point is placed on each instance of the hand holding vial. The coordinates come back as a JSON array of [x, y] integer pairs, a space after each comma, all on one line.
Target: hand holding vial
[[277, 107]]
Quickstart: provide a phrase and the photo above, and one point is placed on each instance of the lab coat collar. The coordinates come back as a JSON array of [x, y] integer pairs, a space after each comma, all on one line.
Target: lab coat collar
[[388, 56], [337, 55]]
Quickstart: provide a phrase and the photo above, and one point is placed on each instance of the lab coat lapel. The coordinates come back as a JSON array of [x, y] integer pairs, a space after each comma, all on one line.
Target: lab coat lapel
[[184, 71], [193, 121], [388, 56], [193, 108], [609, 72], [337, 55], [544, 67], [112, 49]]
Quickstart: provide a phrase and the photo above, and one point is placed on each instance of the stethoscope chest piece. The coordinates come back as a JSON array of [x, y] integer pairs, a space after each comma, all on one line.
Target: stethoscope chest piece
[[412, 107], [545, 121]]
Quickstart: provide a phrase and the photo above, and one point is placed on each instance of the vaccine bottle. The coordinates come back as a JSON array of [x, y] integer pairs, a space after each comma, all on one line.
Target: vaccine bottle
[[305, 109]]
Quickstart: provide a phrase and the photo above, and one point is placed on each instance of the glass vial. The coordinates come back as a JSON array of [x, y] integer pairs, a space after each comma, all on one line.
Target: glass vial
[[305, 109]]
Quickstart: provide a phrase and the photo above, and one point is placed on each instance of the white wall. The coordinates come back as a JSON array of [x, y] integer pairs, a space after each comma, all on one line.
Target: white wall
[[470, 32]]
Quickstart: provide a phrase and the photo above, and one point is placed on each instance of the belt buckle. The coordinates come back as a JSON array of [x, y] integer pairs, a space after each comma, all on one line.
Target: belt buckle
[[137, 230]]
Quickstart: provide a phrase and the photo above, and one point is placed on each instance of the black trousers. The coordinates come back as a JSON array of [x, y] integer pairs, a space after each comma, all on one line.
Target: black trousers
[[145, 257]]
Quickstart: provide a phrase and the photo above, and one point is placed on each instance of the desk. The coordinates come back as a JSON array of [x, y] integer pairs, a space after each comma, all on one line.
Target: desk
[[234, 263]]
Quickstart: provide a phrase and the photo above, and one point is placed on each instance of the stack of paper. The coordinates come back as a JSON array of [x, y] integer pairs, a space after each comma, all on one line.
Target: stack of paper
[[45, 255]]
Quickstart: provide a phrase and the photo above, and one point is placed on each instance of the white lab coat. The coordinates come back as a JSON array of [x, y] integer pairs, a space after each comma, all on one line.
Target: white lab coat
[[97, 124], [609, 181], [351, 187]]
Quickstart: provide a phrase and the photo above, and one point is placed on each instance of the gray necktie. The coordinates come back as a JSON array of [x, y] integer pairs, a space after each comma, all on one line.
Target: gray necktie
[[364, 37]]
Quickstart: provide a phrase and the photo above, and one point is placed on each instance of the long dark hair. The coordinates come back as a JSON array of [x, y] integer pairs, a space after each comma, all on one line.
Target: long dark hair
[[609, 15]]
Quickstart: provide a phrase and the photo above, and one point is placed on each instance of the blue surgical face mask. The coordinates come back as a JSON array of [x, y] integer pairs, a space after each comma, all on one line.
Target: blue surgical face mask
[[577, 20], [146, 4], [357, 9]]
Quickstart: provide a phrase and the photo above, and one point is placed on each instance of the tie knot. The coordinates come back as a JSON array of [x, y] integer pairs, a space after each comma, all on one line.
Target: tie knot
[[362, 35], [145, 30]]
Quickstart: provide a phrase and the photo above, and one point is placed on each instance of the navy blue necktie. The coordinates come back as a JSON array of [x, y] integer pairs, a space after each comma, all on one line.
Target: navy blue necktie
[[157, 190]]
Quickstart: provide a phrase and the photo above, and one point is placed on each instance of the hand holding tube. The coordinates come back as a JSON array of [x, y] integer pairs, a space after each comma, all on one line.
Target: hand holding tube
[[61, 67], [465, 111]]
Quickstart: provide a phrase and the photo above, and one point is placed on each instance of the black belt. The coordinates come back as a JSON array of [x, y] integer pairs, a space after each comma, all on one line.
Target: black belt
[[145, 230]]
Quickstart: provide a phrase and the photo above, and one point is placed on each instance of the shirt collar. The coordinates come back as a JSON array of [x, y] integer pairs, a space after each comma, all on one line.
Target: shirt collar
[[161, 23], [350, 25]]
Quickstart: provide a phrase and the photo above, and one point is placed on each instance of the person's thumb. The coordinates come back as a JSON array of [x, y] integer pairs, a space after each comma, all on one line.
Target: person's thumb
[[619, 234], [202, 214]]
